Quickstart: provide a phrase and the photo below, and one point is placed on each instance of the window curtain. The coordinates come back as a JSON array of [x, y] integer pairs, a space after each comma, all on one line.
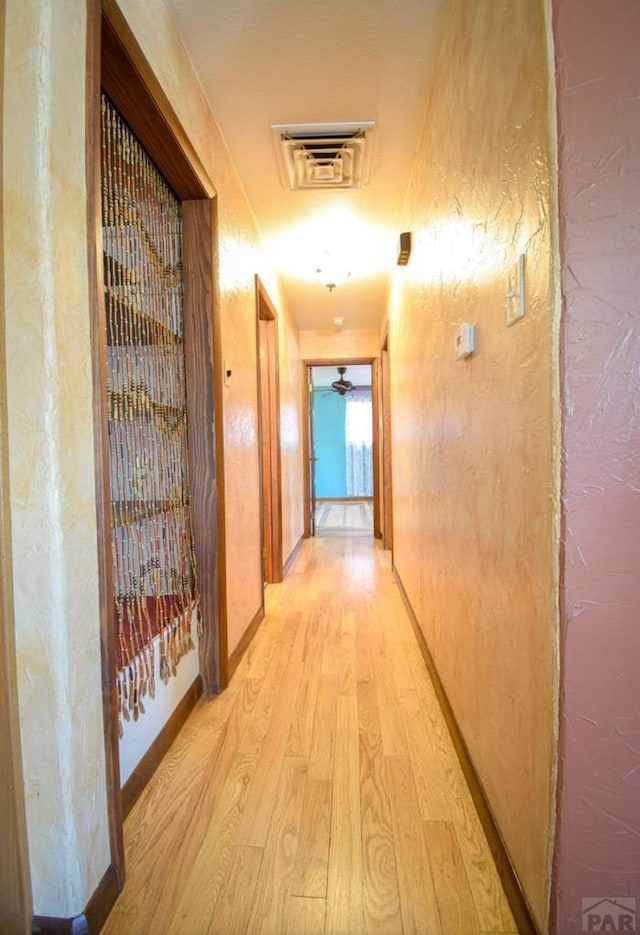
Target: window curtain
[[359, 440]]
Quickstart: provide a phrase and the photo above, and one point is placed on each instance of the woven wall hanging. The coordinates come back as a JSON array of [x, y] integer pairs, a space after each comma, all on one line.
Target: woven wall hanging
[[154, 573]]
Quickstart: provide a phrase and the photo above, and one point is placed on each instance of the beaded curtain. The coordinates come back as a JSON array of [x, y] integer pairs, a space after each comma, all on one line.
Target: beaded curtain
[[154, 574]]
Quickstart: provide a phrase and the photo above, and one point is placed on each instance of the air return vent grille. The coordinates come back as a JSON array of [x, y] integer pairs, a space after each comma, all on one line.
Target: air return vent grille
[[324, 155]]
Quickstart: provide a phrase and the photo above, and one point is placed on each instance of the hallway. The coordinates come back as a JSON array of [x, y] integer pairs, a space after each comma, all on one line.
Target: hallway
[[321, 791], [498, 201]]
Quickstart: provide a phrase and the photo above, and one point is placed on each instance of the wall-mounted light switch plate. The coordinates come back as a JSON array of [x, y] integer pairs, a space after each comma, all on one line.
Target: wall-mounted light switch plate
[[515, 306], [465, 342]]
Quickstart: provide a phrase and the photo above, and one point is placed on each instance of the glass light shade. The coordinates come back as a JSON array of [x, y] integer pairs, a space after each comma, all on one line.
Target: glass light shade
[[331, 272]]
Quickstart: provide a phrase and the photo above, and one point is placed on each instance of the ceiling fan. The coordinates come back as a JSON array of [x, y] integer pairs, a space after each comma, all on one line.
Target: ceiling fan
[[342, 386]]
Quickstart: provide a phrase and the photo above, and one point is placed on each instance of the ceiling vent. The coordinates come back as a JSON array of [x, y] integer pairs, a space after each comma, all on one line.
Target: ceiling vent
[[324, 155]]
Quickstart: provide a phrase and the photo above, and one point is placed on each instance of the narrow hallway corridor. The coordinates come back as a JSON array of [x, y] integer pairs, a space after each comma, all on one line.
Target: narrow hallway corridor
[[321, 792]]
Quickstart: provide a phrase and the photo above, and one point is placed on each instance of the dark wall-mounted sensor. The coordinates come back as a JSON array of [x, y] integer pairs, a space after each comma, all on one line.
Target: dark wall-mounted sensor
[[404, 249]]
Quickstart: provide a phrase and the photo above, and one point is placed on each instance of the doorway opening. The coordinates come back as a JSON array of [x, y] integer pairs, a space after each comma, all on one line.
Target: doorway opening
[[341, 448], [116, 67]]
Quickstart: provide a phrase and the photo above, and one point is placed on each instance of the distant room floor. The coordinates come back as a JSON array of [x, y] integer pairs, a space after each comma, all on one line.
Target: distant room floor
[[344, 518]]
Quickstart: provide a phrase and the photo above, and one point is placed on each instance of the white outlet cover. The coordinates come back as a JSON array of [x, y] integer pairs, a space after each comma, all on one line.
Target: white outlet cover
[[465, 340]]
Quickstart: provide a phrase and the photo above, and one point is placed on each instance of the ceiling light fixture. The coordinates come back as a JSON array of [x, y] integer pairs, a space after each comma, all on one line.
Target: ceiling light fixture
[[332, 272]]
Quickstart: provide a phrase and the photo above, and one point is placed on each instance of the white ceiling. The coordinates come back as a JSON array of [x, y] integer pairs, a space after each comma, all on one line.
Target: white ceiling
[[264, 62]]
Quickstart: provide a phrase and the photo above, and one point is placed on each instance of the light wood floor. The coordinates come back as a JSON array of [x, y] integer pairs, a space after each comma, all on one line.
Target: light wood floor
[[320, 793], [344, 518]]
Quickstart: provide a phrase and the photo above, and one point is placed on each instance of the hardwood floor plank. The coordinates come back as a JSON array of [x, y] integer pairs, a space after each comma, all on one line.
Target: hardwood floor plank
[[157, 849], [189, 756], [233, 906], [257, 725], [254, 825], [305, 916], [417, 894], [347, 662], [261, 651], [453, 894], [154, 833], [271, 899], [312, 857], [301, 733], [381, 900], [175, 867], [368, 713], [432, 779], [197, 901], [344, 887], [364, 662], [120, 920], [391, 719], [332, 646], [323, 741], [491, 903], [394, 648]]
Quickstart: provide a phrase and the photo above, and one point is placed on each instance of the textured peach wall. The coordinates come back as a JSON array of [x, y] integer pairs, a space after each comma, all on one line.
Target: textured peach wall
[[598, 76], [333, 345], [50, 432], [474, 483]]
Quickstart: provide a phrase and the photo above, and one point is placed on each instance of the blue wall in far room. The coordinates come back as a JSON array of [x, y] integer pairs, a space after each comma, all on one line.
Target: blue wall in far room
[[330, 445]]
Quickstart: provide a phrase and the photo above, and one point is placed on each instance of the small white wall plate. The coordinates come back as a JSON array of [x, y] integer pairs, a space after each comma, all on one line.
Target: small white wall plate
[[465, 341]]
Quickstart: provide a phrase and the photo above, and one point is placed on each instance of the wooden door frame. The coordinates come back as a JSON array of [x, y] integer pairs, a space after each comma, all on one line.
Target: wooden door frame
[[387, 471], [115, 61], [308, 523], [269, 434], [375, 415], [306, 492]]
